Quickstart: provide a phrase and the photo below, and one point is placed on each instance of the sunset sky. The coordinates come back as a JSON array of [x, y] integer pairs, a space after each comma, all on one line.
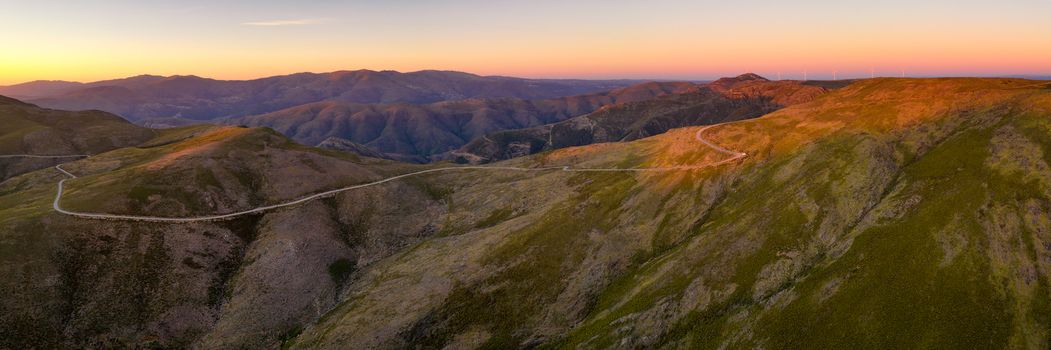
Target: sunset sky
[[663, 39]]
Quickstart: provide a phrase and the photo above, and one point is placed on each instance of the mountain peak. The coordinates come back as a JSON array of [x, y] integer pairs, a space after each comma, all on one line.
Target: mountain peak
[[727, 83], [750, 76]]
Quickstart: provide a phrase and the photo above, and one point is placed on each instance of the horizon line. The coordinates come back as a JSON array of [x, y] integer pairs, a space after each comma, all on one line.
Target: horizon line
[[831, 75]]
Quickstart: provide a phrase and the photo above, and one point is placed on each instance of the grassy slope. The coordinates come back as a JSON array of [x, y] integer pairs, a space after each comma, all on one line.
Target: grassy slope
[[892, 213], [895, 274]]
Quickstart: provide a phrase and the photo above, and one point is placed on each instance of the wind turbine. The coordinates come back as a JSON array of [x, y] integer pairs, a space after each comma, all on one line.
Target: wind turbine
[[872, 72], [835, 75], [804, 75]]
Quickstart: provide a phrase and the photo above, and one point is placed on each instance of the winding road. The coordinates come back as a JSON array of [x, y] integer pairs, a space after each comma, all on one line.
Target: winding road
[[734, 156]]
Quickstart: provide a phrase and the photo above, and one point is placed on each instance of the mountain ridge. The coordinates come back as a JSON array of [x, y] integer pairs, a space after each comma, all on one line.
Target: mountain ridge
[[193, 97], [422, 133], [727, 99]]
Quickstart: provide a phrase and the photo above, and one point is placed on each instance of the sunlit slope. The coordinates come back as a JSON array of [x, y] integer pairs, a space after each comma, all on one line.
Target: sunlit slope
[[894, 213]]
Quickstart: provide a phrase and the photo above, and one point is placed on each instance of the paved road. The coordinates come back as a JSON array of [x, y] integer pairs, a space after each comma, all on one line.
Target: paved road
[[58, 196]]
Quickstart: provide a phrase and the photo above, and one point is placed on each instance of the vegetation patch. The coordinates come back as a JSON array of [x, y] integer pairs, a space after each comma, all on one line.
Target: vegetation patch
[[340, 270], [536, 260], [288, 338]]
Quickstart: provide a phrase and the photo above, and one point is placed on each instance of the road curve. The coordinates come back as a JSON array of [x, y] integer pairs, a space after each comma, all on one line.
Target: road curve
[[734, 156]]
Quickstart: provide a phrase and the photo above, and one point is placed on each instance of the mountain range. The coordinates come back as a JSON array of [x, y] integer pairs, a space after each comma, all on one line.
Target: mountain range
[[515, 127], [888, 213], [427, 116], [190, 97], [426, 132]]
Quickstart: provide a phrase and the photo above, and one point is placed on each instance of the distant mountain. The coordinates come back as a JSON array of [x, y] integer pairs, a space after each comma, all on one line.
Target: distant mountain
[[40, 88], [726, 99], [1031, 76], [421, 133], [48, 88], [198, 98]]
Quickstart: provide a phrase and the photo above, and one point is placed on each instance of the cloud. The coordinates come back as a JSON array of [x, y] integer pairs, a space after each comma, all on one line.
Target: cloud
[[284, 22]]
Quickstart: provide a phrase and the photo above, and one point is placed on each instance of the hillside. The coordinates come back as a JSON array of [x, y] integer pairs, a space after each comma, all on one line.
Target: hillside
[[423, 133], [344, 145], [191, 97], [890, 213], [893, 213], [28, 129], [727, 99], [74, 283]]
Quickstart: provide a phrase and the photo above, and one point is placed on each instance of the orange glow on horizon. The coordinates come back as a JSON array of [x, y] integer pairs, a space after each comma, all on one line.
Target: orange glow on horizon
[[684, 40], [650, 60]]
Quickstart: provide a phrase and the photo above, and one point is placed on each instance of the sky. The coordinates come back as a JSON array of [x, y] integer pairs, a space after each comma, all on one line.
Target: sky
[[652, 39]]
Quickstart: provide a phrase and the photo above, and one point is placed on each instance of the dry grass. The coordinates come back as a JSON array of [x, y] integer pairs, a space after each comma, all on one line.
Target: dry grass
[[198, 145]]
